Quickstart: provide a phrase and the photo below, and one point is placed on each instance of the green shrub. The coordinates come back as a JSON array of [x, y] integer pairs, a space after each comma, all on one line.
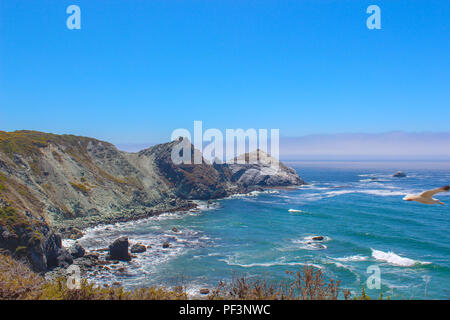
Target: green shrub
[[80, 187]]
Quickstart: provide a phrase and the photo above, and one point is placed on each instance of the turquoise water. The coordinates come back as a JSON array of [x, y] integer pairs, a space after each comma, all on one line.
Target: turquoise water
[[356, 206]]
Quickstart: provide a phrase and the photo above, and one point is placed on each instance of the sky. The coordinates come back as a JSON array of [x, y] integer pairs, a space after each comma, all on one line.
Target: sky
[[137, 70]]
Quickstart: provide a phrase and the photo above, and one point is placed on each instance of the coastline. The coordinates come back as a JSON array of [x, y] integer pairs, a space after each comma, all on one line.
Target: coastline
[[75, 233]]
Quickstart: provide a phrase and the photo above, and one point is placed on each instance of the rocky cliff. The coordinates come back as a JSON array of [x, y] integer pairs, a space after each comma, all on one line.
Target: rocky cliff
[[257, 168], [52, 184]]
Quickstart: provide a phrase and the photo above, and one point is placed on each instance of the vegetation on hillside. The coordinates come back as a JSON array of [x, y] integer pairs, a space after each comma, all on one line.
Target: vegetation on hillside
[[27, 143], [18, 282]]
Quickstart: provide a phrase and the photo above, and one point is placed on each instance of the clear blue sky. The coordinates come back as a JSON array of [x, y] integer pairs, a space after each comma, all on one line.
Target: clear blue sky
[[139, 69]]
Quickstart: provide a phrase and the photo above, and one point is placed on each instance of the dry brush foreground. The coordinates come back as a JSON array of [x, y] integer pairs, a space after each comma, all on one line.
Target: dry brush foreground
[[18, 282]]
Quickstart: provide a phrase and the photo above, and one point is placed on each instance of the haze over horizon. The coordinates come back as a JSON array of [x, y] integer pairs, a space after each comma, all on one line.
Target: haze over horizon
[[395, 145]]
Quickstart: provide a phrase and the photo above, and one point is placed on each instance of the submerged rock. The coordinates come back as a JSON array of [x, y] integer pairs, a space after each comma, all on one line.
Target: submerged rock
[[138, 248], [118, 250], [204, 291], [399, 174]]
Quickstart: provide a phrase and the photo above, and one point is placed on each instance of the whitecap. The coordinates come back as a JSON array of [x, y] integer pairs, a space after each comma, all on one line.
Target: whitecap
[[268, 264], [352, 258], [67, 243], [394, 259], [376, 192], [252, 194]]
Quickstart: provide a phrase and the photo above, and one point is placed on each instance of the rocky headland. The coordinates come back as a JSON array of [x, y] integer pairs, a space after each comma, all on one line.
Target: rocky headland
[[54, 186]]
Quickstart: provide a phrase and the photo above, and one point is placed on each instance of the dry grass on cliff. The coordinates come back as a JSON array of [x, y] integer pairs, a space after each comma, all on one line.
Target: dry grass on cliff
[[18, 282], [306, 284]]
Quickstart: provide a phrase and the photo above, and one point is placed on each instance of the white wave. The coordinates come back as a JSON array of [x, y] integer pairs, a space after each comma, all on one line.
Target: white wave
[[312, 186], [394, 259], [295, 210], [376, 192], [352, 258], [67, 243], [252, 194], [205, 205], [268, 264]]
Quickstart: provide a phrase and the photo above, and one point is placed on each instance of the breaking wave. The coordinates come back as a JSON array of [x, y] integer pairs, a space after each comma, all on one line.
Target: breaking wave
[[395, 260]]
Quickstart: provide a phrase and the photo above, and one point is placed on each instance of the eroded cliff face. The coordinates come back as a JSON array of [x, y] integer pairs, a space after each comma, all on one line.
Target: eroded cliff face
[[75, 181], [53, 184], [200, 181]]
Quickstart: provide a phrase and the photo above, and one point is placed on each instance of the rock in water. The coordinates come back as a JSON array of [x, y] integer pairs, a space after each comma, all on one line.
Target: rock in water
[[317, 238], [204, 291], [257, 168], [399, 174], [77, 251], [166, 245], [56, 255], [138, 248], [118, 250]]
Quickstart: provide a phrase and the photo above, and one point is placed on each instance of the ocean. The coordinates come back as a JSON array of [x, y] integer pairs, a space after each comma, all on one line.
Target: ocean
[[356, 206]]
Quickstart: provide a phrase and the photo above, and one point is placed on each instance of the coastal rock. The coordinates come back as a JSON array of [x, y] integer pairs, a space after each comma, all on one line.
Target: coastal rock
[[118, 250], [166, 245], [257, 168], [34, 242], [92, 255], [77, 251], [399, 174], [204, 291], [138, 248], [317, 238], [55, 254], [64, 259], [174, 229]]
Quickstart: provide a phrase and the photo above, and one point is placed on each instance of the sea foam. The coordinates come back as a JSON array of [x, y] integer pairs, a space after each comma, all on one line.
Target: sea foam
[[352, 258], [394, 259]]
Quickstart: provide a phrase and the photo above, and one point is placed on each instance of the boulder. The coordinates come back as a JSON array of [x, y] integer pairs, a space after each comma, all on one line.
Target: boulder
[[166, 245], [317, 238], [138, 248], [64, 259], [174, 229], [399, 174], [56, 256], [204, 291], [118, 250]]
